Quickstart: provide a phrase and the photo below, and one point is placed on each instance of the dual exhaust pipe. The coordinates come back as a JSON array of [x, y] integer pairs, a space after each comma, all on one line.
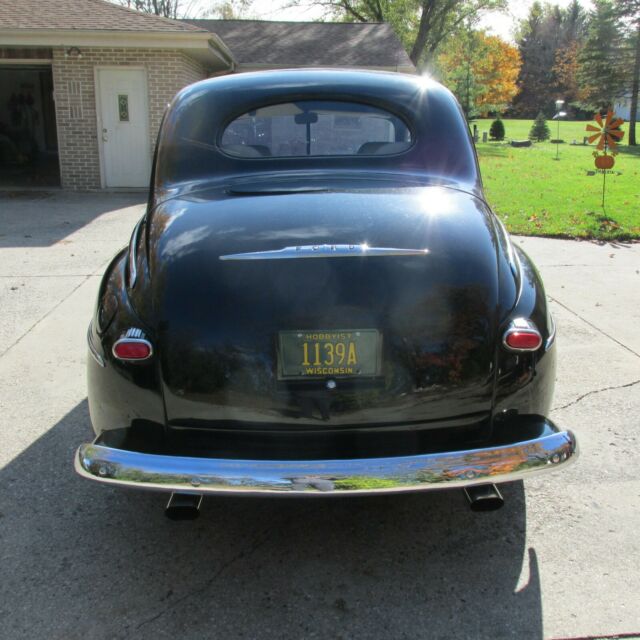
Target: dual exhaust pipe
[[183, 506], [484, 497], [481, 497]]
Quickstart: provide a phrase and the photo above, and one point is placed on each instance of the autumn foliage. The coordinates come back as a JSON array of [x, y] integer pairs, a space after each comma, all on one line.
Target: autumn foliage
[[482, 71], [566, 69], [499, 70]]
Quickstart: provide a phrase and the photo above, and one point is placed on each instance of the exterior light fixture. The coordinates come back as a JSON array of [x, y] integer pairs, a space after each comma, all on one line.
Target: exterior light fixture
[[73, 52]]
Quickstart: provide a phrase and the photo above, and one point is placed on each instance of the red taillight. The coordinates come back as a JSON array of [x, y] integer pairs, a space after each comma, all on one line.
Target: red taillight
[[524, 340], [132, 349], [522, 335]]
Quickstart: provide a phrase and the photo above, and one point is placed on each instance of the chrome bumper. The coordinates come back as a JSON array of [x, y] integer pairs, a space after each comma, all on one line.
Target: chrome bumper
[[495, 464]]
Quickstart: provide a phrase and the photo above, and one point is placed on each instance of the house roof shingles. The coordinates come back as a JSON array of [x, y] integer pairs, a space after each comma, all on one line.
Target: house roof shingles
[[345, 44], [252, 42], [83, 15]]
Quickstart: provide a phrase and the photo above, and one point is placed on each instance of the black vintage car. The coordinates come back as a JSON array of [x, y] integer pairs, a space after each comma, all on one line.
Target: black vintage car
[[319, 301]]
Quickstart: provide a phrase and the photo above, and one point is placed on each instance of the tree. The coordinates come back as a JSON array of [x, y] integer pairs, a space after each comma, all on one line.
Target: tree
[[177, 9], [496, 130], [481, 70], [497, 74], [457, 68], [601, 72], [539, 129], [164, 8], [566, 70], [422, 25], [548, 39], [630, 10], [231, 9]]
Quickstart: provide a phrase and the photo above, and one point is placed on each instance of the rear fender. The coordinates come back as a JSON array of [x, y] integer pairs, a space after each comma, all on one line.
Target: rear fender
[[525, 381], [121, 394]]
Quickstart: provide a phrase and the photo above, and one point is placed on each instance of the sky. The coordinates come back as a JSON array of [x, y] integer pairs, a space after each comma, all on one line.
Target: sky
[[501, 24]]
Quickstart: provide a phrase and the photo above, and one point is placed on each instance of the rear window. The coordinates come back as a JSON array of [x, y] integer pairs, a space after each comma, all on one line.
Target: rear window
[[315, 128]]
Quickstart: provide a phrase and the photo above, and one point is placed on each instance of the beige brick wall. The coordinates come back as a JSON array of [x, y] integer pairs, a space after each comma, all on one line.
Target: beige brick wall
[[75, 95]]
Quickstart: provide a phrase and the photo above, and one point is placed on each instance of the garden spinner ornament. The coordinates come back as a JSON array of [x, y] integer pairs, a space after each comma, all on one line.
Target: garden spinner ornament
[[608, 135]]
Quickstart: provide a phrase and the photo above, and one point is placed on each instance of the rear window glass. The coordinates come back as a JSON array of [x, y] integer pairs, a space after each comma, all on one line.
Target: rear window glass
[[315, 128]]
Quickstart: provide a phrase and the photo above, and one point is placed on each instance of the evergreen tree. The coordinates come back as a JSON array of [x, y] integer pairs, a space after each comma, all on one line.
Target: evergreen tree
[[630, 9], [496, 131], [548, 40], [539, 130], [601, 68], [574, 22], [533, 77]]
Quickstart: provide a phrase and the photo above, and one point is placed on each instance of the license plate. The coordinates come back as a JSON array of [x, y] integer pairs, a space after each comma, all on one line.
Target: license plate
[[329, 353]]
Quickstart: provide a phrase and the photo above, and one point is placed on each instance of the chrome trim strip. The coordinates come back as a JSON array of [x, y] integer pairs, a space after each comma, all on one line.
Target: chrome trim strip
[[511, 257], [92, 348], [327, 477], [325, 251], [133, 254], [134, 332], [552, 334], [519, 277]]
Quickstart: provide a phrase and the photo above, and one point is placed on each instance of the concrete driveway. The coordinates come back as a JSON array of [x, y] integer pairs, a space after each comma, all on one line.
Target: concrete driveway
[[78, 560]]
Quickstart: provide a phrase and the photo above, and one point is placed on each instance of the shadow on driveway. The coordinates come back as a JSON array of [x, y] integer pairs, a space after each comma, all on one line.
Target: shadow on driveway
[[43, 218], [80, 560]]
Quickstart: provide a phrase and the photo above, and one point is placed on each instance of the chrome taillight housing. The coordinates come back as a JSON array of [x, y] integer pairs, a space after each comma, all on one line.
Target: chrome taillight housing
[[522, 335]]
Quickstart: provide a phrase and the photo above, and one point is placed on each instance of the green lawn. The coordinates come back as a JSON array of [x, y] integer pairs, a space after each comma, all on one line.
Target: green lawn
[[535, 194]]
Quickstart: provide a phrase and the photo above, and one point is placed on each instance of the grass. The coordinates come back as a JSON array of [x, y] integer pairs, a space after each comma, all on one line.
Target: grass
[[535, 194]]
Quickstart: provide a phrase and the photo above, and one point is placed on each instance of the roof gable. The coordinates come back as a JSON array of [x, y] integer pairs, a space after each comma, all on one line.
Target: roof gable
[[337, 44]]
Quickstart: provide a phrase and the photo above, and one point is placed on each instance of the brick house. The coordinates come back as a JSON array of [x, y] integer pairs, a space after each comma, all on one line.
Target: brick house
[[84, 83]]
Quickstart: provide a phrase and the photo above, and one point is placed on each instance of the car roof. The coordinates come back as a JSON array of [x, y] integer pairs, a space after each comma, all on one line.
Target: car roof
[[320, 81], [198, 115]]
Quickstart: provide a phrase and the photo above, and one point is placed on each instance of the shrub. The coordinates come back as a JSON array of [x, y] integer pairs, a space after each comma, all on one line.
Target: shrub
[[496, 131], [539, 129]]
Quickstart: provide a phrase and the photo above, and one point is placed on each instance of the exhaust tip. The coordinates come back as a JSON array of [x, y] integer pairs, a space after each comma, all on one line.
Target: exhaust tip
[[484, 497], [183, 506]]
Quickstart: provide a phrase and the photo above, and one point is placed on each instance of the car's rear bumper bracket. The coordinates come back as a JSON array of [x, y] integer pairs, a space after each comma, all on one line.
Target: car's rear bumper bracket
[[445, 470]]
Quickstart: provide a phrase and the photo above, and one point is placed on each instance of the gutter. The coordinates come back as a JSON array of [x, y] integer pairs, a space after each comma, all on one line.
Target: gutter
[[201, 44]]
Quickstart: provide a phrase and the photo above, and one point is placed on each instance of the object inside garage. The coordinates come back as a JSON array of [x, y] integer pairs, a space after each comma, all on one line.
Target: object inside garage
[[28, 140]]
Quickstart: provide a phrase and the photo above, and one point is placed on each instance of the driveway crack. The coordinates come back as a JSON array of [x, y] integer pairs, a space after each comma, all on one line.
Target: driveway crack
[[595, 391], [593, 326], [241, 555]]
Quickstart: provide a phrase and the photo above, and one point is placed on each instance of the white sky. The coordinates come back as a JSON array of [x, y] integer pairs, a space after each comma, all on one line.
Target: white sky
[[502, 24]]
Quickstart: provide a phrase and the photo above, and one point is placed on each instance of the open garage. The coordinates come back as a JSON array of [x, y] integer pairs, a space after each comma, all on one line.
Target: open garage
[[28, 137]]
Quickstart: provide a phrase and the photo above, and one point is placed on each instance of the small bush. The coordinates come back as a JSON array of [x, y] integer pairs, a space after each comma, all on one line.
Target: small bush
[[540, 129], [496, 131]]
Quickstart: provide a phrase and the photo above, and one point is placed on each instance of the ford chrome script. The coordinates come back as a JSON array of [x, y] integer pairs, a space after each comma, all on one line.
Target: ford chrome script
[[325, 251]]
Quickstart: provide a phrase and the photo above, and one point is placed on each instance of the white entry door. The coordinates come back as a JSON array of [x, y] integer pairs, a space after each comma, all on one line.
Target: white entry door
[[124, 127]]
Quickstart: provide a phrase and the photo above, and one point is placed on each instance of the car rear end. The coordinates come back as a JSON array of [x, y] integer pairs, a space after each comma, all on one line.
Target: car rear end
[[352, 320]]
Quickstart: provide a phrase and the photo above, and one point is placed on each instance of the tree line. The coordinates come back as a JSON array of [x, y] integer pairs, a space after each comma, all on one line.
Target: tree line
[[587, 59]]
